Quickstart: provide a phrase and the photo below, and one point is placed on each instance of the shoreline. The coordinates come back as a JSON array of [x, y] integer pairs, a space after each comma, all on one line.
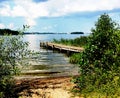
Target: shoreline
[[55, 87]]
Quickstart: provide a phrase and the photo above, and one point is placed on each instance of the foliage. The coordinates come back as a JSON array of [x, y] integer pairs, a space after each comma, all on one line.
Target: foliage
[[99, 62], [8, 31], [81, 41], [74, 59], [12, 51]]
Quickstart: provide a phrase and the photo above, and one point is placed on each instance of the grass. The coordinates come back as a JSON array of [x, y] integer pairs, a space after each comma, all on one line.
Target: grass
[[79, 42]]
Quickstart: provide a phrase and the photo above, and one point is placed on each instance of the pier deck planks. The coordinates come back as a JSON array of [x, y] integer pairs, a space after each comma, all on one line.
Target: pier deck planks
[[61, 47]]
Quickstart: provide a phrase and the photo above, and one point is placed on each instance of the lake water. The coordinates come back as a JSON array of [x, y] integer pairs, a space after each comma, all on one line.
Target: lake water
[[48, 63], [34, 39]]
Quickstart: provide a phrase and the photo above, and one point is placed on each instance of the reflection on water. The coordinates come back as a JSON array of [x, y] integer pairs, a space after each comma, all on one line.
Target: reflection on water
[[33, 42], [46, 62], [35, 39]]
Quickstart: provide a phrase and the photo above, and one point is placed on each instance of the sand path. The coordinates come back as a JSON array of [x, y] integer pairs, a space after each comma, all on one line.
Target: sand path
[[58, 87]]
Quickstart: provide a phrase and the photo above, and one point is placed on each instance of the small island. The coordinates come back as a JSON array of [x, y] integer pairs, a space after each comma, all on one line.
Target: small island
[[77, 33]]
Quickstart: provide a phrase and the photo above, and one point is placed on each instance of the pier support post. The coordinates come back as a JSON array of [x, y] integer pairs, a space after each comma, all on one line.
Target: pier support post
[[68, 53]]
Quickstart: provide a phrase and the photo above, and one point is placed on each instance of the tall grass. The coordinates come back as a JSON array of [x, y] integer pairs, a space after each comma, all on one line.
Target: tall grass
[[80, 42]]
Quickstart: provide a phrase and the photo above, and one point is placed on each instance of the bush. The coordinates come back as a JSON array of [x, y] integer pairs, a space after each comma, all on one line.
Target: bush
[[12, 51], [74, 59], [99, 62]]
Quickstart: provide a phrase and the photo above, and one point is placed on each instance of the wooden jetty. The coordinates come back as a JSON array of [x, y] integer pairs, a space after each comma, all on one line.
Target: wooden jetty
[[62, 48]]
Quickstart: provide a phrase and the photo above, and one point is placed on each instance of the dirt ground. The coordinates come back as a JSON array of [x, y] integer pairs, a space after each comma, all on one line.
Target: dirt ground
[[58, 87]]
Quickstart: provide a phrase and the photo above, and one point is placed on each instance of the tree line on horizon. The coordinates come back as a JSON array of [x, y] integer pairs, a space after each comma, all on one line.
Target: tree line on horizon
[[8, 31]]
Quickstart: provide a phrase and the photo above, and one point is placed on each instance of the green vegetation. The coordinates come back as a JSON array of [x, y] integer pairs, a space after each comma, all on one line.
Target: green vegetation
[[8, 31], [99, 63], [12, 51], [75, 58], [80, 42]]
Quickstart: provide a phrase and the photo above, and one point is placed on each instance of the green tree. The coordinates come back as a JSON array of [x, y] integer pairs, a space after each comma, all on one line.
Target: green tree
[[99, 62], [12, 52]]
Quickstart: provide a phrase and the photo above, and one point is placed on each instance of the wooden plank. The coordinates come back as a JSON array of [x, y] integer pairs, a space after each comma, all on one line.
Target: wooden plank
[[65, 47], [61, 47]]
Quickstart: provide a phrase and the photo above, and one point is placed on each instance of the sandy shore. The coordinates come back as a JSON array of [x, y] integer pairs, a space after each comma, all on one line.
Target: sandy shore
[[58, 87]]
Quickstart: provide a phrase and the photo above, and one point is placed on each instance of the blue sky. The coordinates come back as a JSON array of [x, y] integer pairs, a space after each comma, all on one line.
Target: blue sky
[[56, 15]]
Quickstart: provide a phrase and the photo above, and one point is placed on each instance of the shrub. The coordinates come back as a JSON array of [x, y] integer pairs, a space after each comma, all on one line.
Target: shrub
[[12, 51], [99, 62], [74, 59]]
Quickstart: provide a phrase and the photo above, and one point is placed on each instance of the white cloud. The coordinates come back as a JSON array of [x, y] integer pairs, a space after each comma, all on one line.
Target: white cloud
[[11, 26], [28, 8], [30, 22], [52, 8], [49, 27], [5, 10], [2, 26], [63, 7], [19, 11]]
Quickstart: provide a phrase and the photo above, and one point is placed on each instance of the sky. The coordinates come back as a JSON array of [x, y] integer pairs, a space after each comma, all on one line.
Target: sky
[[56, 15]]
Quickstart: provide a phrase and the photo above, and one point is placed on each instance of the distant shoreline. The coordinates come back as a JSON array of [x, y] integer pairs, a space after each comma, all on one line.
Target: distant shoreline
[[13, 32], [43, 33], [52, 33], [8, 32]]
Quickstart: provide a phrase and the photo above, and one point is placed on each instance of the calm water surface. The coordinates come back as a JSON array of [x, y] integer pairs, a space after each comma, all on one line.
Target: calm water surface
[[35, 39], [48, 63]]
